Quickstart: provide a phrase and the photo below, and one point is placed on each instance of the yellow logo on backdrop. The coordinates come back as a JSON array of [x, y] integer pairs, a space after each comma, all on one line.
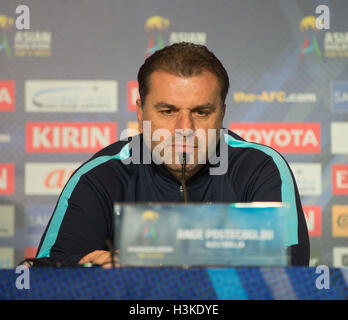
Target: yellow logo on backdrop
[[150, 215], [6, 22], [156, 22], [308, 28], [340, 221], [149, 232], [308, 22], [155, 26]]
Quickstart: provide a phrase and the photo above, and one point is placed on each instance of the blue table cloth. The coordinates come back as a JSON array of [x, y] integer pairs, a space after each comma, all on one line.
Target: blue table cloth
[[175, 283]]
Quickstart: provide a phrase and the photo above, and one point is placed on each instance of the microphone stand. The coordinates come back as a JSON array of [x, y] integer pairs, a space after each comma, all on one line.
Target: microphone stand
[[183, 183]]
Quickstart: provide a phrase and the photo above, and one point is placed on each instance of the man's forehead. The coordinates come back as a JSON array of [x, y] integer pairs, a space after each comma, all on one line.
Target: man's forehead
[[161, 73], [203, 87]]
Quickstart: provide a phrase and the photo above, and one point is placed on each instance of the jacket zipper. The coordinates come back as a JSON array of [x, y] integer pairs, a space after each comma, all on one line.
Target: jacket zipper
[[181, 189]]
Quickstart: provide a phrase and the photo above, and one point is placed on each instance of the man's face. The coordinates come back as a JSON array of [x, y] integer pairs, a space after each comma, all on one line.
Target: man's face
[[182, 106]]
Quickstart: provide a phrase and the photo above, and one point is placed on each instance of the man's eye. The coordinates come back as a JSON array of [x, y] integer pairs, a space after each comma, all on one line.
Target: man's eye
[[167, 112], [202, 113]]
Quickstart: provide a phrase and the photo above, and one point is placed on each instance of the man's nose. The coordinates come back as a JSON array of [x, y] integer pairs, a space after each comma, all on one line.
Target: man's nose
[[185, 123]]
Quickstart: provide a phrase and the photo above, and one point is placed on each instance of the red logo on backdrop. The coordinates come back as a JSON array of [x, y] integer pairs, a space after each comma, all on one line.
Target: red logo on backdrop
[[70, 137], [7, 177], [30, 252], [340, 179], [313, 219], [287, 137], [7, 95], [57, 178], [132, 95]]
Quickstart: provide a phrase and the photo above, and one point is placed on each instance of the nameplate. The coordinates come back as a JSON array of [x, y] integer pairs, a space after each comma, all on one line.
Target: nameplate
[[240, 234]]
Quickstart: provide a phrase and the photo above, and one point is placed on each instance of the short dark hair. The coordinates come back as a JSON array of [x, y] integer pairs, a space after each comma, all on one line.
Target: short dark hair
[[182, 59]]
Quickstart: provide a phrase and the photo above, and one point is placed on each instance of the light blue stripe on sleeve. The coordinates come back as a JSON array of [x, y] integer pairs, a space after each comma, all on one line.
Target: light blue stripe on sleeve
[[287, 187], [53, 229]]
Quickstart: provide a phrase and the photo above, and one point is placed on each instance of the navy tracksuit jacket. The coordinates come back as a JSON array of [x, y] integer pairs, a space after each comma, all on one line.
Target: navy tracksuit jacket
[[83, 217]]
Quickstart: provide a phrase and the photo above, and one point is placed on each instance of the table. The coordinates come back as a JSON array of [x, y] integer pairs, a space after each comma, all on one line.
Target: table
[[165, 283]]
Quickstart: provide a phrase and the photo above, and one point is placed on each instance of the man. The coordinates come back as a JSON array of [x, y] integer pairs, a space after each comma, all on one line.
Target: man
[[182, 89]]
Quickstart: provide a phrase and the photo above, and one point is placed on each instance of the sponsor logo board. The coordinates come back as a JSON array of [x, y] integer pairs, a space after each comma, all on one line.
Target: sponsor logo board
[[71, 96], [274, 96], [340, 179], [339, 134], [37, 217], [7, 95], [340, 257], [313, 218], [132, 95], [5, 138], [308, 178], [69, 137], [339, 96], [47, 178], [7, 178], [7, 220], [6, 258], [340, 221], [284, 137]]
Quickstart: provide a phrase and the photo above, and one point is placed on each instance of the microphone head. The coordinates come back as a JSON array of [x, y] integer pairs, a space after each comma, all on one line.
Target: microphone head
[[182, 158]]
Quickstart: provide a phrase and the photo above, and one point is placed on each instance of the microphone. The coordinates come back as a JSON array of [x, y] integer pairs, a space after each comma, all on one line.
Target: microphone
[[183, 183], [183, 159]]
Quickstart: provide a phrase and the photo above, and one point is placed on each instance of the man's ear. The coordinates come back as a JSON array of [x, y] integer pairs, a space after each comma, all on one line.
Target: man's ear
[[140, 115]]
